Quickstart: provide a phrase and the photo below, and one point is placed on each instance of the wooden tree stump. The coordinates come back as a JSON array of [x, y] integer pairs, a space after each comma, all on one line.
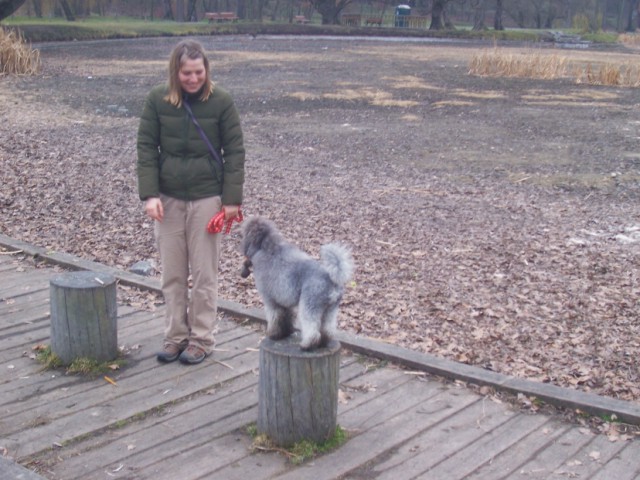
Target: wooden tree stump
[[83, 316], [297, 391]]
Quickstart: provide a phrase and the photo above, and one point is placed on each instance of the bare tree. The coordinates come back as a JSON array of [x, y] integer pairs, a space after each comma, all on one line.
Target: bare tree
[[497, 18], [479, 12], [192, 14], [179, 10], [632, 15], [37, 8], [7, 7], [168, 11], [68, 11], [438, 14], [330, 9]]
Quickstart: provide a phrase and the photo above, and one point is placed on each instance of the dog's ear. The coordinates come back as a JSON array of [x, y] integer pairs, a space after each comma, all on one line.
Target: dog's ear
[[254, 233]]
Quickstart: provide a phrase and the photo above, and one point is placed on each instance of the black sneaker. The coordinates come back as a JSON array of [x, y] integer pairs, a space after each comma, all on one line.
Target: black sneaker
[[169, 353], [192, 355]]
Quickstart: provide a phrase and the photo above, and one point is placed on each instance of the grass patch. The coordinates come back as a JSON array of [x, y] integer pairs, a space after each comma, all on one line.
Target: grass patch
[[299, 452], [79, 366], [48, 359], [16, 55]]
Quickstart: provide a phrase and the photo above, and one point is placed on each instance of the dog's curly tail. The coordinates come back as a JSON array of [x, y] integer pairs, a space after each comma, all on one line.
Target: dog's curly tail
[[338, 261]]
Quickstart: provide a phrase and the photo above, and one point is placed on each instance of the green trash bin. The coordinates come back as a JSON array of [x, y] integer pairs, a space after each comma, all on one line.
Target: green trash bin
[[402, 15]]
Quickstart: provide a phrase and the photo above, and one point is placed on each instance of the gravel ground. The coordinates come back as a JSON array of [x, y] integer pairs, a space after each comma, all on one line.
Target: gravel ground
[[493, 221]]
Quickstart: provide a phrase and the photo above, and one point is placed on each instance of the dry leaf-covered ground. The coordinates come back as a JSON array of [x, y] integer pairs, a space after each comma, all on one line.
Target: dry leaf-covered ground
[[493, 221]]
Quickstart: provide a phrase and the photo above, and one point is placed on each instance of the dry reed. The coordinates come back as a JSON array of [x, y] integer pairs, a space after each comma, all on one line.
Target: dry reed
[[625, 75], [16, 55], [497, 63], [629, 39]]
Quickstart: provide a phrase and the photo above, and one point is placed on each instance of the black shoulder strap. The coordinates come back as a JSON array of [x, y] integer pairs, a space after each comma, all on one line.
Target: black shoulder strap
[[212, 150]]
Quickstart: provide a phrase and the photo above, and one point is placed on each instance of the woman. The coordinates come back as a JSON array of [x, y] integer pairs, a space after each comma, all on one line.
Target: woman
[[182, 187]]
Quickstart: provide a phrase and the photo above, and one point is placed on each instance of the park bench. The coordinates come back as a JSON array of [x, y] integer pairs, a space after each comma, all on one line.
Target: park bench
[[300, 19], [221, 17], [373, 21]]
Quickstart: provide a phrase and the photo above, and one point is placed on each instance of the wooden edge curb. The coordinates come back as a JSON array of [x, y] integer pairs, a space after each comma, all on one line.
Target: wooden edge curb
[[627, 412]]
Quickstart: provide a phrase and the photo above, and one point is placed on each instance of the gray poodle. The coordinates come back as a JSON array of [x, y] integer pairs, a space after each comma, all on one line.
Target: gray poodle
[[289, 280]]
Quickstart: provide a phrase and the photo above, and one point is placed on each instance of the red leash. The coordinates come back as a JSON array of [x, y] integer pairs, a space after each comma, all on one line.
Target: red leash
[[217, 223]]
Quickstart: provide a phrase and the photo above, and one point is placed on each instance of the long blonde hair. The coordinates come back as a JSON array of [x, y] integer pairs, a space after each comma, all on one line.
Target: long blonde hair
[[186, 49]]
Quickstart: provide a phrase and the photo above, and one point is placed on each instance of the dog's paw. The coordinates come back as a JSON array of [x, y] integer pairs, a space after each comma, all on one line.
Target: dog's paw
[[246, 269], [311, 342]]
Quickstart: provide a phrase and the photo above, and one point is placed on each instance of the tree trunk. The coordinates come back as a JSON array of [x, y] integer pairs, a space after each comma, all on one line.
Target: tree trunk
[[330, 10], [84, 316], [632, 16], [275, 11], [479, 12], [497, 19], [192, 15], [168, 11], [68, 12], [37, 8], [297, 391], [436, 15], [7, 7], [179, 10], [241, 10]]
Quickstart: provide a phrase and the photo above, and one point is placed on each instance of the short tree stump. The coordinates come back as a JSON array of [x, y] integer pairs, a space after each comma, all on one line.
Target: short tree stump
[[83, 316], [298, 391]]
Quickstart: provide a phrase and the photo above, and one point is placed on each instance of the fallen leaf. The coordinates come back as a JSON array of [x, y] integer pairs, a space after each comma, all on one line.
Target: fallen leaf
[[343, 397]]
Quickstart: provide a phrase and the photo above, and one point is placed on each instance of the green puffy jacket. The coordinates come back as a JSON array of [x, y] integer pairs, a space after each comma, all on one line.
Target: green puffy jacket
[[174, 160]]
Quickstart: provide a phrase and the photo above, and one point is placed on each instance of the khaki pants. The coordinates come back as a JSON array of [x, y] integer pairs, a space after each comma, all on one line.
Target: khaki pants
[[186, 247]]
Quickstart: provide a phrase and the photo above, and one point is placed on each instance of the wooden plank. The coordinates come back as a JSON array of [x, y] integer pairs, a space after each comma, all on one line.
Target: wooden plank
[[146, 376], [558, 453], [219, 411], [23, 389], [10, 470], [464, 462], [6, 303], [8, 266], [377, 431], [623, 466], [359, 386], [258, 466], [110, 404], [202, 459], [151, 432], [23, 284], [13, 311], [589, 459], [14, 350], [518, 454], [433, 446]]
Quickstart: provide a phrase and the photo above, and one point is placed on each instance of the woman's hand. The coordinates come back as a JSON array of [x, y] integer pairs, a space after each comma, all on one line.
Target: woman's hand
[[230, 212], [153, 208]]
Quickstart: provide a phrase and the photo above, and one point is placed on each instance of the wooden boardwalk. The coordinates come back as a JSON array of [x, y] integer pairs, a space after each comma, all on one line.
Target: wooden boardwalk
[[173, 421]]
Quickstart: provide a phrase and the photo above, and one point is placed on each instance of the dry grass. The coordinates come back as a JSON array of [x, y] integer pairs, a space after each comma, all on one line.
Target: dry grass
[[497, 63], [625, 75], [629, 39], [16, 55]]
